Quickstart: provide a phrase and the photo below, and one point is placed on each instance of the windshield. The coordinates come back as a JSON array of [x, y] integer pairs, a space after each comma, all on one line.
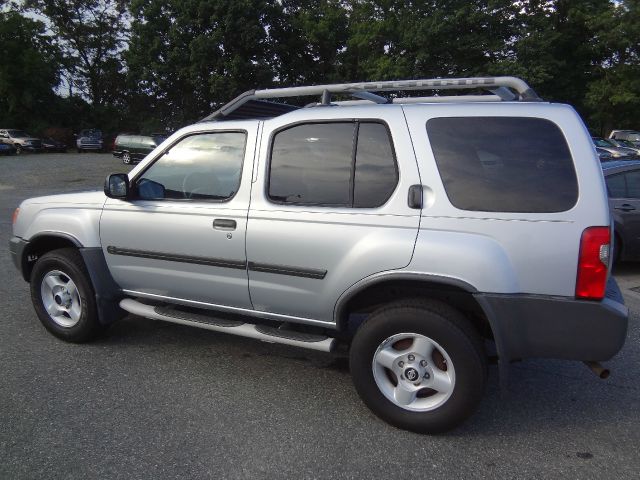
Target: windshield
[[18, 134], [601, 142], [91, 133]]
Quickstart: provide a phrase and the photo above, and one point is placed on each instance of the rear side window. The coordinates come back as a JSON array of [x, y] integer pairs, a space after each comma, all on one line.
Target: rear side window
[[347, 164], [504, 164]]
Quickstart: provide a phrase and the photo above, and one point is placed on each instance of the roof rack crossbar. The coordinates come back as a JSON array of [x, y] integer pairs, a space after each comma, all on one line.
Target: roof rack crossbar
[[525, 93]]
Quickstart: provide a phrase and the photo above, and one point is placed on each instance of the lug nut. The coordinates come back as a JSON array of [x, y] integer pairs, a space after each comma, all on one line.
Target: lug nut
[[426, 375], [411, 358], [401, 364], [423, 363]]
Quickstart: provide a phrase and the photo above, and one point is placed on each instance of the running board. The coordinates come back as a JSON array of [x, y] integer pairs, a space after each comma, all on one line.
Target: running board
[[234, 327]]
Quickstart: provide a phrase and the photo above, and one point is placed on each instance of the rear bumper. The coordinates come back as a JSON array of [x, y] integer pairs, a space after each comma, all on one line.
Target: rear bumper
[[557, 327]]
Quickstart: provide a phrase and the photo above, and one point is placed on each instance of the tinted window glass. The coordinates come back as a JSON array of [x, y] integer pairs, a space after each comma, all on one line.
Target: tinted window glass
[[633, 184], [199, 167], [311, 164], [504, 164], [616, 186], [376, 175]]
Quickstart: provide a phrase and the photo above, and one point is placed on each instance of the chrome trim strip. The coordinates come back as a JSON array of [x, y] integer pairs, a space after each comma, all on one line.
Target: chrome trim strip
[[241, 311], [173, 257]]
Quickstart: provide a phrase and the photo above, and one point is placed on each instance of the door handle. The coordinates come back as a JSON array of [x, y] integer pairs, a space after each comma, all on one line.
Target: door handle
[[414, 199], [224, 224], [625, 207]]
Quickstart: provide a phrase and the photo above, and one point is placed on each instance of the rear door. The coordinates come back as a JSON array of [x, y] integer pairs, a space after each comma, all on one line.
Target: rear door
[[329, 207]]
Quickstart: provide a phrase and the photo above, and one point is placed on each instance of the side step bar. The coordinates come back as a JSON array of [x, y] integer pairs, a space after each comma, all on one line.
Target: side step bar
[[234, 327]]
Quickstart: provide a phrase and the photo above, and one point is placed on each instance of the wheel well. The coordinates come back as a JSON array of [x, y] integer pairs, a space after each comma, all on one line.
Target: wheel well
[[354, 312], [41, 245]]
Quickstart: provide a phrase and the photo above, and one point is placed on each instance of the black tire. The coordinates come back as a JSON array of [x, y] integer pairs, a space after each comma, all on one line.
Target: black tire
[[443, 325], [69, 262], [126, 158], [18, 149]]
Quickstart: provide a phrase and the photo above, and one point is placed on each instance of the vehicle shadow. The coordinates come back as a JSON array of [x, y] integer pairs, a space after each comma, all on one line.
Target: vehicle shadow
[[542, 395]]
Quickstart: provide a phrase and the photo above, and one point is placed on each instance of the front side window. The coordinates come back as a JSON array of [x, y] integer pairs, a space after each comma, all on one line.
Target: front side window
[[205, 166], [504, 164], [348, 164]]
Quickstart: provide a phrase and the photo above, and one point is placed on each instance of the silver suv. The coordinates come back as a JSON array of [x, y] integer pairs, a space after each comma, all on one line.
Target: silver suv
[[426, 234]]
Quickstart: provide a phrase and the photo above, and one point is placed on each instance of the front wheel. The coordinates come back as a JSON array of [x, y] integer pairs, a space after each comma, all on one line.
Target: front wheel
[[419, 365], [126, 158], [63, 296], [18, 149]]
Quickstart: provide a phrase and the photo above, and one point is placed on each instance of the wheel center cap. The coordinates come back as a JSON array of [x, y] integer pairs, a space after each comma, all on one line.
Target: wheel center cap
[[411, 374], [63, 299]]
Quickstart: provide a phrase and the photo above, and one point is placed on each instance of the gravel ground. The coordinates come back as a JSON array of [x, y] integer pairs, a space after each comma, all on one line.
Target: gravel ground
[[154, 400]]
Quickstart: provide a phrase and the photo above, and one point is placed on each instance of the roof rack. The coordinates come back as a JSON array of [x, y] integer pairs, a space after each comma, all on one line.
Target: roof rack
[[502, 88]]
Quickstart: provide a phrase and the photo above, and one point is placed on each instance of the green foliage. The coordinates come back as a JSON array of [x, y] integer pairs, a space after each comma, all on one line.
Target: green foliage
[[151, 65], [28, 71], [91, 34]]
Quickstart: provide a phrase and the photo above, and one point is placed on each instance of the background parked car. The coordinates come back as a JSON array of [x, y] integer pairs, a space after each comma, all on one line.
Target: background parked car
[[628, 135], [52, 145], [6, 149], [603, 154], [625, 144], [623, 186], [133, 148], [21, 140], [619, 153], [90, 139]]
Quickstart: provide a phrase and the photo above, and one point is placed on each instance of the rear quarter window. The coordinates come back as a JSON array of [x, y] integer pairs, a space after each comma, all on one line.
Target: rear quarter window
[[504, 164]]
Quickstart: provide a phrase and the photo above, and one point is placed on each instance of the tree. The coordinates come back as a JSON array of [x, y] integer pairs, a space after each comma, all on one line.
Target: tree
[[187, 58], [613, 95], [28, 71], [92, 35]]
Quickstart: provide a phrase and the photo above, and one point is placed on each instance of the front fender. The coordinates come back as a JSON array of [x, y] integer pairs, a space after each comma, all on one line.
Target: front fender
[[81, 224]]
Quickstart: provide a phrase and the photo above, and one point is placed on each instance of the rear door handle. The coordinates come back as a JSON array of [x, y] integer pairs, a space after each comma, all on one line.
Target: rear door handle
[[625, 207], [224, 224]]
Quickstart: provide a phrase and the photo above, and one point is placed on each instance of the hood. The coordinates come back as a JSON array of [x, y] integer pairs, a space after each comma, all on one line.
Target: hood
[[94, 198]]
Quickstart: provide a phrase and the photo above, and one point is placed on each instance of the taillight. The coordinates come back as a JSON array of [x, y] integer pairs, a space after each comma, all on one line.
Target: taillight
[[593, 263], [14, 218]]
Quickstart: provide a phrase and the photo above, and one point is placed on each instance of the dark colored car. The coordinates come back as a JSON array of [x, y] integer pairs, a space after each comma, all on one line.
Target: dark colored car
[[133, 148], [618, 153], [625, 144], [603, 154], [623, 187], [52, 145], [7, 149]]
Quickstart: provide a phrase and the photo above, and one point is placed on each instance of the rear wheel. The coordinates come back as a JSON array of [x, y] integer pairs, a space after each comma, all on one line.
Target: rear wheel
[[419, 365], [126, 158], [63, 296], [18, 149]]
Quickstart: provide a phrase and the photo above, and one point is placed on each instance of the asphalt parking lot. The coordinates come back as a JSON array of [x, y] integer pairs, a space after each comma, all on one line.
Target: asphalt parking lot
[[155, 400]]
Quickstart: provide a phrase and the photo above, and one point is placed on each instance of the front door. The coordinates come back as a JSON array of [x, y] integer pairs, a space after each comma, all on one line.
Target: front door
[[182, 234]]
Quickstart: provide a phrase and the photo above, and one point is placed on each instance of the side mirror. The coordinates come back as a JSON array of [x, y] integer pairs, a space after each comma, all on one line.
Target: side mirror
[[117, 186]]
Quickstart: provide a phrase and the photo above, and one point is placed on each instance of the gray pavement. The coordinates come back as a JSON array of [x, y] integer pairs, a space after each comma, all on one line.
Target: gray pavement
[[155, 400]]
